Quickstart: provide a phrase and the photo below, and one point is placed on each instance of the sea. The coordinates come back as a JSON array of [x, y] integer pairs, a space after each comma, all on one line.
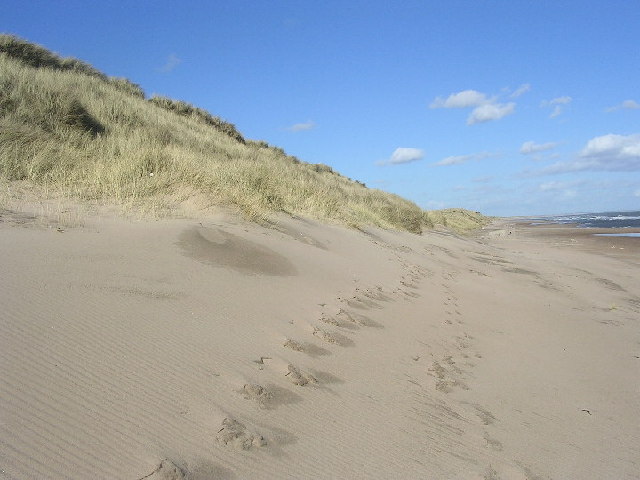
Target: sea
[[597, 220]]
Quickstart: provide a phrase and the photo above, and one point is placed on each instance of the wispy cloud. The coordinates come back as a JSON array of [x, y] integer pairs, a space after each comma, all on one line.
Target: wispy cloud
[[562, 190], [609, 153], [485, 108], [557, 101], [555, 186], [485, 179], [299, 127], [558, 104], [403, 155], [531, 147], [626, 105], [172, 62], [460, 159], [464, 99], [490, 111], [522, 89]]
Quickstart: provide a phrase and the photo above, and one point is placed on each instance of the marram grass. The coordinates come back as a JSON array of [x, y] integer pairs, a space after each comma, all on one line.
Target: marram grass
[[71, 129]]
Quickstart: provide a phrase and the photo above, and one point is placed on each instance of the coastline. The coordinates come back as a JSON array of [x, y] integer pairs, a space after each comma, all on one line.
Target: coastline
[[569, 235], [222, 349]]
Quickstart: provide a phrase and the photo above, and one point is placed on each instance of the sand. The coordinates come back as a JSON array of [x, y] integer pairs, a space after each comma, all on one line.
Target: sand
[[220, 349]]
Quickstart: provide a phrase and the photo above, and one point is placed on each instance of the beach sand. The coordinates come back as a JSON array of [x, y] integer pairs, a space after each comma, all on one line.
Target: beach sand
[[220, 349]]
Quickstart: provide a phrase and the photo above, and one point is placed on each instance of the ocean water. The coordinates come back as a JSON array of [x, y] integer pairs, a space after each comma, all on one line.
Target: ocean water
[[617, 234], [596, 220]]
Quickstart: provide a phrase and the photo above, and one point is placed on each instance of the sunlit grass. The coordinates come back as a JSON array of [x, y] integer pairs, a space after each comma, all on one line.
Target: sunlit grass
[[76, 132]]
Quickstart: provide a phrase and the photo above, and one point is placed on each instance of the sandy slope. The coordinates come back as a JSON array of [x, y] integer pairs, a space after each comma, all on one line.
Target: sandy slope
[[224, 350]]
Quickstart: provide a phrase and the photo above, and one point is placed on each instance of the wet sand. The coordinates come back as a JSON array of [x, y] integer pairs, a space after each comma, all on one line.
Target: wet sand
[[569, 235]]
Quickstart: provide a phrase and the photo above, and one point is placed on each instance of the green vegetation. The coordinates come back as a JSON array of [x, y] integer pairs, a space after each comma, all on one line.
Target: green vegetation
[[72, 130]]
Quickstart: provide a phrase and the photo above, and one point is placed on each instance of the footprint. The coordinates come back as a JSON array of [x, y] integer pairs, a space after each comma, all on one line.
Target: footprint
[[299, 378], [257, 393], [326, 336], [167, 470], [234, 433], [406, 293], [445, 377], [373, 294], [354, 318], [438, 370], [356, 301], [333, 338], [490, 474], [293, 345], [493, 443], [330, 320], [404, 283], [485, 415], [308, 348]]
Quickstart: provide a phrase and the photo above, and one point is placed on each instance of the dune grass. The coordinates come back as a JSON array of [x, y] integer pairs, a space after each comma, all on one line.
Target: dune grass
[[457, 219], [75, 131]]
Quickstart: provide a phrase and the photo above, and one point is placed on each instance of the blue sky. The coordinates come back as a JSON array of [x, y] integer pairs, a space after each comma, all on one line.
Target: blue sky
[[509, 107]]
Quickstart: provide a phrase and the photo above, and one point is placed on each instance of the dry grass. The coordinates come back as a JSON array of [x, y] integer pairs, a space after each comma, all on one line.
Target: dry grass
[[457, 219], [73, 131]]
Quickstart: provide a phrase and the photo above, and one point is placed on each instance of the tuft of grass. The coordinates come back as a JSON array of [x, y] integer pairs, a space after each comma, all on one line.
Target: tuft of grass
[[73, 131]]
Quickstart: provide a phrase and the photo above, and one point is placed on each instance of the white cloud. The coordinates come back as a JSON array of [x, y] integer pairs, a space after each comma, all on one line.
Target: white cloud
[[172, 62], [626, 105], [299, 127], [524, 88], [490, 111], [485, 108], [558, 105], [530, 147], [559, 101], [403, 155], [630, 104], [610, 153], [613, 146], [459, 159], [557, 110], [636, 193], [464, 99]]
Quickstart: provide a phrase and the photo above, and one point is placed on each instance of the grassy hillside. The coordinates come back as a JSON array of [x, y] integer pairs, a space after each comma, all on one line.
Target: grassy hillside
[[75, 131], [457, 219]]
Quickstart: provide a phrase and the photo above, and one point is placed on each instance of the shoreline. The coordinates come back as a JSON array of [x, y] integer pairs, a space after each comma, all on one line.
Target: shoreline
[[569, 235]]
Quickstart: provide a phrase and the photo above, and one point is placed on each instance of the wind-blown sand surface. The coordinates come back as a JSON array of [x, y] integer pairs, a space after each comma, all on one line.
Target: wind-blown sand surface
[[225, 350]]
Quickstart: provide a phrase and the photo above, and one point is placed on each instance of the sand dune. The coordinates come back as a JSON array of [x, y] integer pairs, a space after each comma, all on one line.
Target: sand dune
[[225, 350]]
